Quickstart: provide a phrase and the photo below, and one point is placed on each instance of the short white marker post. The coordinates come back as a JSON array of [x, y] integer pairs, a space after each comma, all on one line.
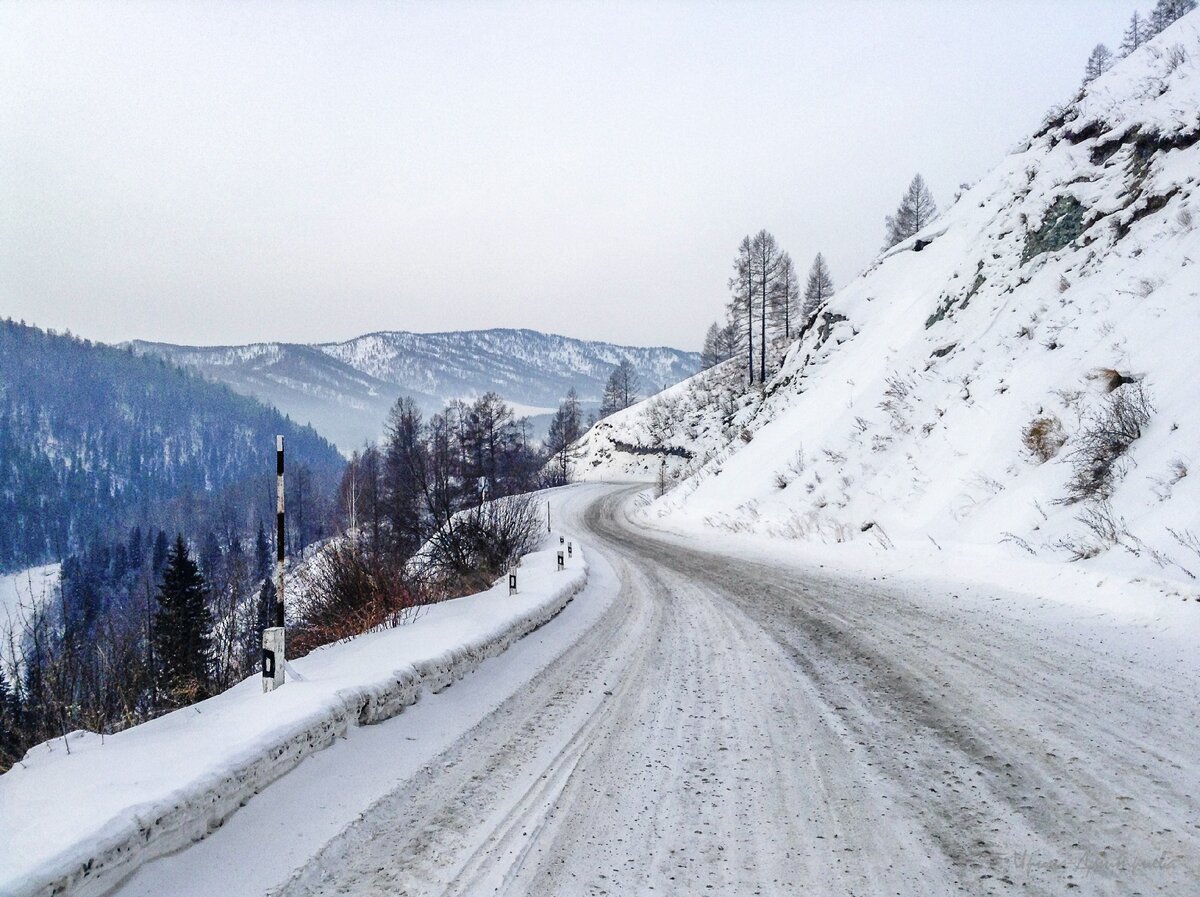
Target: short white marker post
[[562, 539], [561, 564], [570, 549], [274, 642], [512, 582]]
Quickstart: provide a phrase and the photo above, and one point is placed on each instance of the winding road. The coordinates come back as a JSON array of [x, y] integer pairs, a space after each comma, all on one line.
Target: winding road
[[735, 727]]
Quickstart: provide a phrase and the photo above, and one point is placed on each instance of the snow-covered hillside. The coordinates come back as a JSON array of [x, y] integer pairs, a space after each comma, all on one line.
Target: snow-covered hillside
[[346, 389], [1022, 373]]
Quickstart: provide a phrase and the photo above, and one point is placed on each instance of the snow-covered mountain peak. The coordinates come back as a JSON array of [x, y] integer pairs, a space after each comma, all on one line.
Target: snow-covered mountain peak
[[346, 389]]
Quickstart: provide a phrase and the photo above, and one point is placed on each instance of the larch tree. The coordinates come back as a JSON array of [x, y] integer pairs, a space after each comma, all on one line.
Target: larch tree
[[915, 211], [1166, 13], [1099, 62], [720, 343], [708, 352], [621, 391], [741, 286], [565, 428], [183, 630], [1136, 34], [765, 259], [818, 289], [784, 297]]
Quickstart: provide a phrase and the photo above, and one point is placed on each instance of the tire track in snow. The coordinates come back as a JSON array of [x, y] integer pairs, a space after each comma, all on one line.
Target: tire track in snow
[[773, 731]]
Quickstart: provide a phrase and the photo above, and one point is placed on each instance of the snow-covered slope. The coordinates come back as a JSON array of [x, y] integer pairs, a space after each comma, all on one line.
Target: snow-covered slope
[[931, 397], [346, 389]]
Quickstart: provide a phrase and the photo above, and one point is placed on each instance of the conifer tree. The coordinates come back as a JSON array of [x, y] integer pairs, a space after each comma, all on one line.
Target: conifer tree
[[720, 344], [916, 210], [1136, 34], [783, 297], [262, 553], [1166, 13], [10, 724], [765, 258], [161, 549], [741, 285], [182, 630], [1098, 63], [565, 427], [818, 289], [621, 391]]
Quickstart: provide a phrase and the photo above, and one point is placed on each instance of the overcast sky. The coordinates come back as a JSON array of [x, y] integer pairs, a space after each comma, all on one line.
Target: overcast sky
[[232, 172]]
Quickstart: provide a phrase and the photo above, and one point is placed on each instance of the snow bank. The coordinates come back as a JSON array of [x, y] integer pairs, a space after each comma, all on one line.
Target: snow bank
[[77, 820]]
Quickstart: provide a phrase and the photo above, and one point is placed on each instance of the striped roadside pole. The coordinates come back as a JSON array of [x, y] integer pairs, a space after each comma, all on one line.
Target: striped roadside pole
[[274, 643]]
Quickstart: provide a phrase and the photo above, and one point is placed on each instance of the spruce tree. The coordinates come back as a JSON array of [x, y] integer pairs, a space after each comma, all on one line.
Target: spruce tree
[[161, 549], [11, 746], [183, 630], [262, 552]]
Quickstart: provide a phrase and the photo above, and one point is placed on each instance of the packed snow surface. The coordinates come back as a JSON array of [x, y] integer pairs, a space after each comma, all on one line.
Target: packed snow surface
[[734, 714]]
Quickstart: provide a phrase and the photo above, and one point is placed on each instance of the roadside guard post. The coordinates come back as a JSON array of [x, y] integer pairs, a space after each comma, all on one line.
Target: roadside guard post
[[274, 647], [561, 539], [570, 549], [512, 582], [561, 564]]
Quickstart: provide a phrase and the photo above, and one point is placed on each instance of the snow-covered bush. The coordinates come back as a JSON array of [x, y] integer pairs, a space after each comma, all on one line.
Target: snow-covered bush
[[348, 589], [478, 545]]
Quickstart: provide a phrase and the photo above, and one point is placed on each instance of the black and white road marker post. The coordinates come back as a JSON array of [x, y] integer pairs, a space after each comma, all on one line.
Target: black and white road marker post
[[561, 564], [570, 549], [274, 643], [512, 582]]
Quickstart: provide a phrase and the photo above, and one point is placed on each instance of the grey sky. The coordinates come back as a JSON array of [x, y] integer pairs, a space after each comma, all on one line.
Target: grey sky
[[220, 173]]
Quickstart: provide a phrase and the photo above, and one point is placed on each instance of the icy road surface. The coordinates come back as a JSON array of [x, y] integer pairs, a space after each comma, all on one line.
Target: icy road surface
[[730, 727], [699, 721]]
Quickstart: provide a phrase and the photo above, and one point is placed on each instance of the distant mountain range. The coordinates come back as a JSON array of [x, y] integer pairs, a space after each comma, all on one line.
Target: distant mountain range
[[346, 389], [95, 440]]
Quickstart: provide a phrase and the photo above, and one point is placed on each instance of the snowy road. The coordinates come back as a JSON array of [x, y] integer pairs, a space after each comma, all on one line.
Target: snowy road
[[735, 727]]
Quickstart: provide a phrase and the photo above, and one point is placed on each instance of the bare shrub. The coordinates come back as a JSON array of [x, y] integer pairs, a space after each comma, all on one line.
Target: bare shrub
[[348, 589], [1044, 436], [476, 546], [1103, 441], [797, 464]]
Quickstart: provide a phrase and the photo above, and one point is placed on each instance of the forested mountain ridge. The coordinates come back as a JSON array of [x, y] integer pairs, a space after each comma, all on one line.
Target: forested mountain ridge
[[95, 440], [346, 389]]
